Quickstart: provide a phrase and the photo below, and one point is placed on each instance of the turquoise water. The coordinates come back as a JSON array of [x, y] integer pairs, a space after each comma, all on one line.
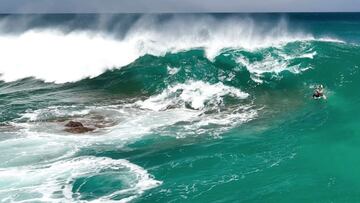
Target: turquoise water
[[186, 108]]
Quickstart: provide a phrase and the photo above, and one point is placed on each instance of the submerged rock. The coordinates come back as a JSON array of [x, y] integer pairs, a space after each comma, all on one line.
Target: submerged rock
[[77, 127]]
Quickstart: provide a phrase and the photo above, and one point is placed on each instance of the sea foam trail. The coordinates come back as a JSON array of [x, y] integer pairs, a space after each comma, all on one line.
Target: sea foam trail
[[54, 56], [55, 182]]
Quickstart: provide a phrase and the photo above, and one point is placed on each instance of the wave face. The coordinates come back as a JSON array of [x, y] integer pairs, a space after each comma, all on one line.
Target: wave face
[[173, 98]]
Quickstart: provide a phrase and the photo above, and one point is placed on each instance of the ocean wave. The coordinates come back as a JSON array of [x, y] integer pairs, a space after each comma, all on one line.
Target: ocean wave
[[54, 56]]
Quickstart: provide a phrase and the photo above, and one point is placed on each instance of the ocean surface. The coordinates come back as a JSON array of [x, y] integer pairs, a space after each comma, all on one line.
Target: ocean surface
[[183, 107]]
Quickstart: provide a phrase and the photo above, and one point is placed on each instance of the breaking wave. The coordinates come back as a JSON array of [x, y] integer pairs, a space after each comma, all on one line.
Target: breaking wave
[[55, 56], [166, 82]]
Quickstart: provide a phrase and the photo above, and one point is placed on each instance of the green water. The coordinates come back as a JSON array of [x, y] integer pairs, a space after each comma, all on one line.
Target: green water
[[185, 127]]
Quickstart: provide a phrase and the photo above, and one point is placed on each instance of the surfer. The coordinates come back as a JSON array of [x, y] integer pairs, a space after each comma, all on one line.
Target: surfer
[[319, 93]]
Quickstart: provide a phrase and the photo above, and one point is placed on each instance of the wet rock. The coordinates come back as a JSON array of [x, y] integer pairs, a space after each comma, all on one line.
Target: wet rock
[[74, 124], [77, 127]]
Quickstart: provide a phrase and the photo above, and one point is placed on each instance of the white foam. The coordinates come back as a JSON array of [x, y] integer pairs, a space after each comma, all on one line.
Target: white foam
[[178, 103], [34, 149], [308, 55], [172, 71], [189, 103], [277, 62], [267, 65], [42, 125], [240, 115], [52, 112], [194, 93], [55, 57], [330, 39], [138, 123]]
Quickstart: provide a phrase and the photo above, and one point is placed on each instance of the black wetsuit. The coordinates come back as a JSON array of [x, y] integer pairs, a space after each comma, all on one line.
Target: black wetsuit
[[318, 94]]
